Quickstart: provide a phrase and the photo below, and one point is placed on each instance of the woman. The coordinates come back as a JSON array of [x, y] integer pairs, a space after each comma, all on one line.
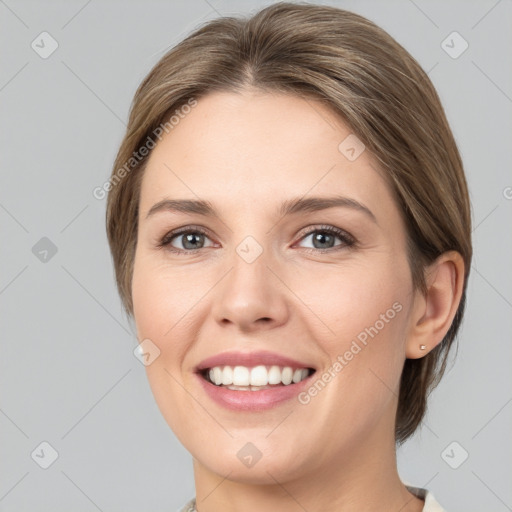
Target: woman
[[290, 228]]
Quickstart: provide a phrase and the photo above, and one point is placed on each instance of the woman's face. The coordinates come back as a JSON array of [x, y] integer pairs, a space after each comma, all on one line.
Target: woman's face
[[273, 271]]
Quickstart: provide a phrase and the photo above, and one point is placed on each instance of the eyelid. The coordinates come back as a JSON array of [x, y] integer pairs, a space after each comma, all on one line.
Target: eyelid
[[347, 239], [165, 241], [324, 227]]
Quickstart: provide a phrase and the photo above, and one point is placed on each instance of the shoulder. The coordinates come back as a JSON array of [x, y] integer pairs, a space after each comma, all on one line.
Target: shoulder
[[431, 505], [190, 506]]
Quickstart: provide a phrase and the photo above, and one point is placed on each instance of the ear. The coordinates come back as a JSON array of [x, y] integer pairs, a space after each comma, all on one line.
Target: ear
[[433, 312]]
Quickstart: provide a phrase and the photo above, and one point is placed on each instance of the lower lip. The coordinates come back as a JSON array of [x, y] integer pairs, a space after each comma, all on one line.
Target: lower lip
[[252, 400]]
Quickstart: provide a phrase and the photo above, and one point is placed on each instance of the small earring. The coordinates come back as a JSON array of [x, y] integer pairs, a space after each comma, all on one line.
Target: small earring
[[423, 347]]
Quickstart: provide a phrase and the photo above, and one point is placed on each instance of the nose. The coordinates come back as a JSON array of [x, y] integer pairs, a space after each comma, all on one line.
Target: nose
[[251, 297]]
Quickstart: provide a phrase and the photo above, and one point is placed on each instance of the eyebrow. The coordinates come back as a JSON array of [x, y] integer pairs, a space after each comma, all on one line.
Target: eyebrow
[[289, 207]]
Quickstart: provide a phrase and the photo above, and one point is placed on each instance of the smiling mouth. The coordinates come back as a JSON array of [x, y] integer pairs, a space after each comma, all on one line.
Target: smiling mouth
[[257, 378]]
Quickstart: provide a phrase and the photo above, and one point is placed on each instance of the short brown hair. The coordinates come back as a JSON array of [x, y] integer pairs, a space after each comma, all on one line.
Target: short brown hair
[[376, 87]]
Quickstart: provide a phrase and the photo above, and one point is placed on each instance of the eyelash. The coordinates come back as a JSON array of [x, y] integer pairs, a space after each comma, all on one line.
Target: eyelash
[[348, 241]]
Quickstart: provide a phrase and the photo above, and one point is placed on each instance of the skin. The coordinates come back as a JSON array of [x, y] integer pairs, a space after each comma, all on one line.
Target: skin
[[246, 154]]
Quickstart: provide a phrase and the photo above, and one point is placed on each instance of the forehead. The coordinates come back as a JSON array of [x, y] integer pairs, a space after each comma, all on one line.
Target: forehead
[[255, 149]]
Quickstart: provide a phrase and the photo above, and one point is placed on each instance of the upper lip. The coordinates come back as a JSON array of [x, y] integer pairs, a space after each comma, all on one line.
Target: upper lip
[[250, 359]]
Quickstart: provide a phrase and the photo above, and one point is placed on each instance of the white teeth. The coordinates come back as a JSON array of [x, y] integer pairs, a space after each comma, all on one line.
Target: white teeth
[[274, 375], [217, 374], [262, 377], [227, 376], [259, 376], [240, 376], [248, 388], [287, 375], [297, 375]]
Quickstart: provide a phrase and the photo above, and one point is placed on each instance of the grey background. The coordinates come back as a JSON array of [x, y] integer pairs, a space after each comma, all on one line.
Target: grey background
[[68, 375]]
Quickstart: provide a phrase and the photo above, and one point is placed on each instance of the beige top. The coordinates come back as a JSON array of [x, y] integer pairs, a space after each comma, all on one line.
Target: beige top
[[431, 505]]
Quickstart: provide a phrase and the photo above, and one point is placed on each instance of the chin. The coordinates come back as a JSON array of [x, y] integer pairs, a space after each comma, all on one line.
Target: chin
[[241, 461]]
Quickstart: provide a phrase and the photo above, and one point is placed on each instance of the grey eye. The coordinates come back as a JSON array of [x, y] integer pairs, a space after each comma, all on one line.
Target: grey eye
[[190, 240], [324, 239]]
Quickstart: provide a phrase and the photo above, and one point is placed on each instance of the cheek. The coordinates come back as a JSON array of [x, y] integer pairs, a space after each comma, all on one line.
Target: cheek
[[162, 299], [160, 303], [158, 306], [351, 298], [362, 321]]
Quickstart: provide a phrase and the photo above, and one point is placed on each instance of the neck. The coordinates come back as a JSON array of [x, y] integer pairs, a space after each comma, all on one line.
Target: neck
[[361, 477]]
